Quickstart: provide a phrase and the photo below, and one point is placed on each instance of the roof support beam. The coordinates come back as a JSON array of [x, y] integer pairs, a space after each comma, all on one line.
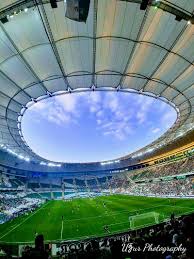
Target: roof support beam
[[22, 57], [50, 37], [134, 47], [164, 58], [94, 40]]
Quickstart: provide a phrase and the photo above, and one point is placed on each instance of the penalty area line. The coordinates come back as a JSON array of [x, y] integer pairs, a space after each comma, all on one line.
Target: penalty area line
[[22, 222]]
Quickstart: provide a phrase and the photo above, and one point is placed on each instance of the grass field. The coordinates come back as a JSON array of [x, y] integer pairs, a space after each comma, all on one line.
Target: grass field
[[86, 217]]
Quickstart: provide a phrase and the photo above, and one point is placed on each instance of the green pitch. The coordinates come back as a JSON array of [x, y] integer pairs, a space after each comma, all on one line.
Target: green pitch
[[69, 220]]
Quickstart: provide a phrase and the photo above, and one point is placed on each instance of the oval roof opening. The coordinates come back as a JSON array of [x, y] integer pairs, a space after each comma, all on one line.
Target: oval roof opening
[[94, 126]]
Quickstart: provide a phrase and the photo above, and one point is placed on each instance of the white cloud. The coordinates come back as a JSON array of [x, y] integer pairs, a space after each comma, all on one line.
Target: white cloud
[[94, 108], [116, 129], [66, 109], [111, 112], [100, 114], [68, 102], [99, 122], [112, 117], [111, 101], [141, 116], [145, 104], [163, 106], [93, 99], [40, 105], [168, 118], [156, 130], [61, 110]]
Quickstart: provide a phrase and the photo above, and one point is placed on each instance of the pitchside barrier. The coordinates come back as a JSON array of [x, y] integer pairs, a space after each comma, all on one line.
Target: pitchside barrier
[[172, 196], [162, 196]]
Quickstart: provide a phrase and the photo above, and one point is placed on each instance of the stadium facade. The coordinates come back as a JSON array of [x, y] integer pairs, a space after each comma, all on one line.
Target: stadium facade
[[146, 52], [134, 46], [34, 35]]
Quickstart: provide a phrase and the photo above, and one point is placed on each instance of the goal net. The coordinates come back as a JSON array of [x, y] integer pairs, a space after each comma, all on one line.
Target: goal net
[[144, 219]]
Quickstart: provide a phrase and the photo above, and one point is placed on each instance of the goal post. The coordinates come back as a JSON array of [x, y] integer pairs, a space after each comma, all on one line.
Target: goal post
[[144, 219]]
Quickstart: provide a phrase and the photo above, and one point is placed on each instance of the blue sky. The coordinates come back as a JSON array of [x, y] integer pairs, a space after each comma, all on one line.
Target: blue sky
[[94, 126]]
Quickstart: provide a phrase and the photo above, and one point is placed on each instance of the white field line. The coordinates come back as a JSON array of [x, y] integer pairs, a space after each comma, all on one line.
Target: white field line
[[111, 214], [112, 232], [62, 230], [22, 222], [126, 211], [175, 206], [12, 226]]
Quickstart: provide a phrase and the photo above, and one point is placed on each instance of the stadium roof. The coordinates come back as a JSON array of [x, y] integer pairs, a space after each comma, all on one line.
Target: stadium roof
[[120, 47]]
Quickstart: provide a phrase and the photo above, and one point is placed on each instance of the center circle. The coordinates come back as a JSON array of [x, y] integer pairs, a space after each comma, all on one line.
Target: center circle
[[94, 126]]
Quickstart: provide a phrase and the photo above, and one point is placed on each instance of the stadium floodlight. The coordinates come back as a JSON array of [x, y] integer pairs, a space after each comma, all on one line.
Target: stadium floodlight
[[110, 162], [43, 163], [12, 15], [53, 164], [150, 150], [57, 165], [117, 161], [50, 164], [107, 163], [180, 134], [156, 4], [10, 151], [137, 155]]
